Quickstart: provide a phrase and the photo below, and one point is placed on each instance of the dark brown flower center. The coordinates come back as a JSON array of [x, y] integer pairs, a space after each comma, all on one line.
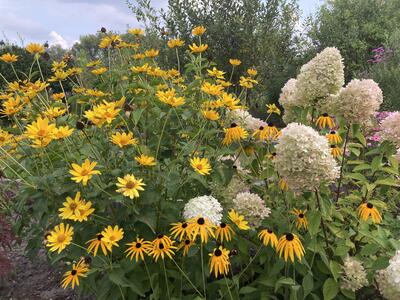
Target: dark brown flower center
[[222, 225], [269, 231], [233, 125], [261, 127], [332, 132], [200, 221], [73, 272], [333, 146], [301, 216], [138, 245], [270, 124], [273, 153], [369, 205], [187, 242], [184, 225], [325, 115], [289, 237], [161, 246], [217, 252], [99, 237]]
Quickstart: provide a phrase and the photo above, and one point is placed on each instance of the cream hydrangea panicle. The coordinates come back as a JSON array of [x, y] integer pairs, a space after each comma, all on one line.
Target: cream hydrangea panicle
[[354, 276], [390, 128], [389, 279], [358, 101], [245, 119], [304, 159], [204, 206], [288, 99], [320, 77], [252, 207]]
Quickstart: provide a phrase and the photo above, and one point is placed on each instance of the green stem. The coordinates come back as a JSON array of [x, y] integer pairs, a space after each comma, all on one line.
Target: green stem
[[202, 272], [162, 132], [166, 279], [187, 278]]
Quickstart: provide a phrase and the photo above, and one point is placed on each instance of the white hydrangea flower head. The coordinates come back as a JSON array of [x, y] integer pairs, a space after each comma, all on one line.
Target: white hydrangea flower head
[[204, 206], [304, 159], [245, 119], [354, 275], [358, 101], [252, 207], [390, 128], [389, 279], [397, 155], [321, 76], [288, 99]]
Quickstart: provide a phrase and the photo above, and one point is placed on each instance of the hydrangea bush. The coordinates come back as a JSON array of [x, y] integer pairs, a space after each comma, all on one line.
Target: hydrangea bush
[[153, 183]]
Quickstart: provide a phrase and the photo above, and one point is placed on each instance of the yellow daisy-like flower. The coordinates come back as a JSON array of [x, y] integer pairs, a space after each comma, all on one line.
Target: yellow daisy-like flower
[[201, 226], [169, 97], [366, 210], [54, 112], [35, 48], [230, 101], [60, 237], [136, 31], [325, 121], [201, 165], [301, 220], [290, 245], [333, 137], [146, 160], [269, 132], [123, 139], [198, 49], [219, 261], [252, 72], [273, 109], [224, 232], [5, 138], [162, 246], [95, 243], [84, 172], [62, 132], [93, 63], [58, 96], [198, 30], [99, 71], [9, 58], [234, 134], [216, 73], [174, 43], [247, 82], [129, 186], [110, 41], [70, 207], [268, 237], [180, 230], [137, 249], [151, 53], [336, 151], [111, 236], [212, 89], [185, 244], [235, 62], [41, 132], [210, 114], [72, 277], [239, 220]]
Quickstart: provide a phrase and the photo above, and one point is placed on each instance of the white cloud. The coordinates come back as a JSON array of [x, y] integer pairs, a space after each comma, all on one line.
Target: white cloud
[[56, 39]]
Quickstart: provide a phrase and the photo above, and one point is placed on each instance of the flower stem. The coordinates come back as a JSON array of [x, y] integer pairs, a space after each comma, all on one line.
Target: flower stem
[[322, 219], [187, 278], [202, 272], [342, 164], [162, 133], [166, 278]]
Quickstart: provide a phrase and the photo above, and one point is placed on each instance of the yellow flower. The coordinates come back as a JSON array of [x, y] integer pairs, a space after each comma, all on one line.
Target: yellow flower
[[212, 89], [283, 185], [333, 137], [169, 97], [162, 247], [216, 73], [5, 138], [105, 112], [325, 120], [110, 41], [76, 209], [111, 236], [84, 172], [201, 226], [145, 160], [366, 210], [200, 165], [58, 65], [235, 62], [173, 43], [219, 261], [58, 96], [9, 58], [59, 75], [40, 132], [72, 277], [247, 82], [224, 232], [99, 71], [95, 243], [198, 49], [123, 139], [336, 151], [34, 48], [60, 237], [273, 109], [54, 112], [62, 132], [301, 218], [239, 220], [186, 244], [290, 245], [267, 236], [252, 72], [129, 186], [137, 249], [136, 31], [151, 53], [180, 229], [198, 30], [233, 134], [93, 63], [230, 101], [210, 114]]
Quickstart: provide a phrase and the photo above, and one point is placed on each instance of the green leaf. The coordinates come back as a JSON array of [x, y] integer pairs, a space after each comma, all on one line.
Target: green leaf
[[388, 181], [247, 290], [314, 221], [335, 269], [376, 163], [308, 284], [117, 276], [358, 176], [284, 281], [361, 138], [330, 289]]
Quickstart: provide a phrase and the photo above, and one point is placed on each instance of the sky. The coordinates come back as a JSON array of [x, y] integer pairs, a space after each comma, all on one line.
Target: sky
[[63, 21]]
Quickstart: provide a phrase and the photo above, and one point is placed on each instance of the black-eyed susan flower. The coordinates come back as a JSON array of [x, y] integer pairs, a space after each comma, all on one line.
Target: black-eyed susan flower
[[95, 243], [290, 245], [162, 247], [130, 186], [235, 62], [269, 132], [271, 155], [234, 134], [273, 109], [137, 249], [201, 165], [210, 114], [162, 238], [219, 261], [111, 236], [301, 220], [335, 151], [333, 137], [174, 43], [146, 160], [72, 277], [198, 49], [84, 172], [185, 244], [366, 210], [224, 232], [325, 121], [123, 139], [9, 58], [201, 226], [239, 220], [198, 30], [268, 237], [180, 230], [60, 237]]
